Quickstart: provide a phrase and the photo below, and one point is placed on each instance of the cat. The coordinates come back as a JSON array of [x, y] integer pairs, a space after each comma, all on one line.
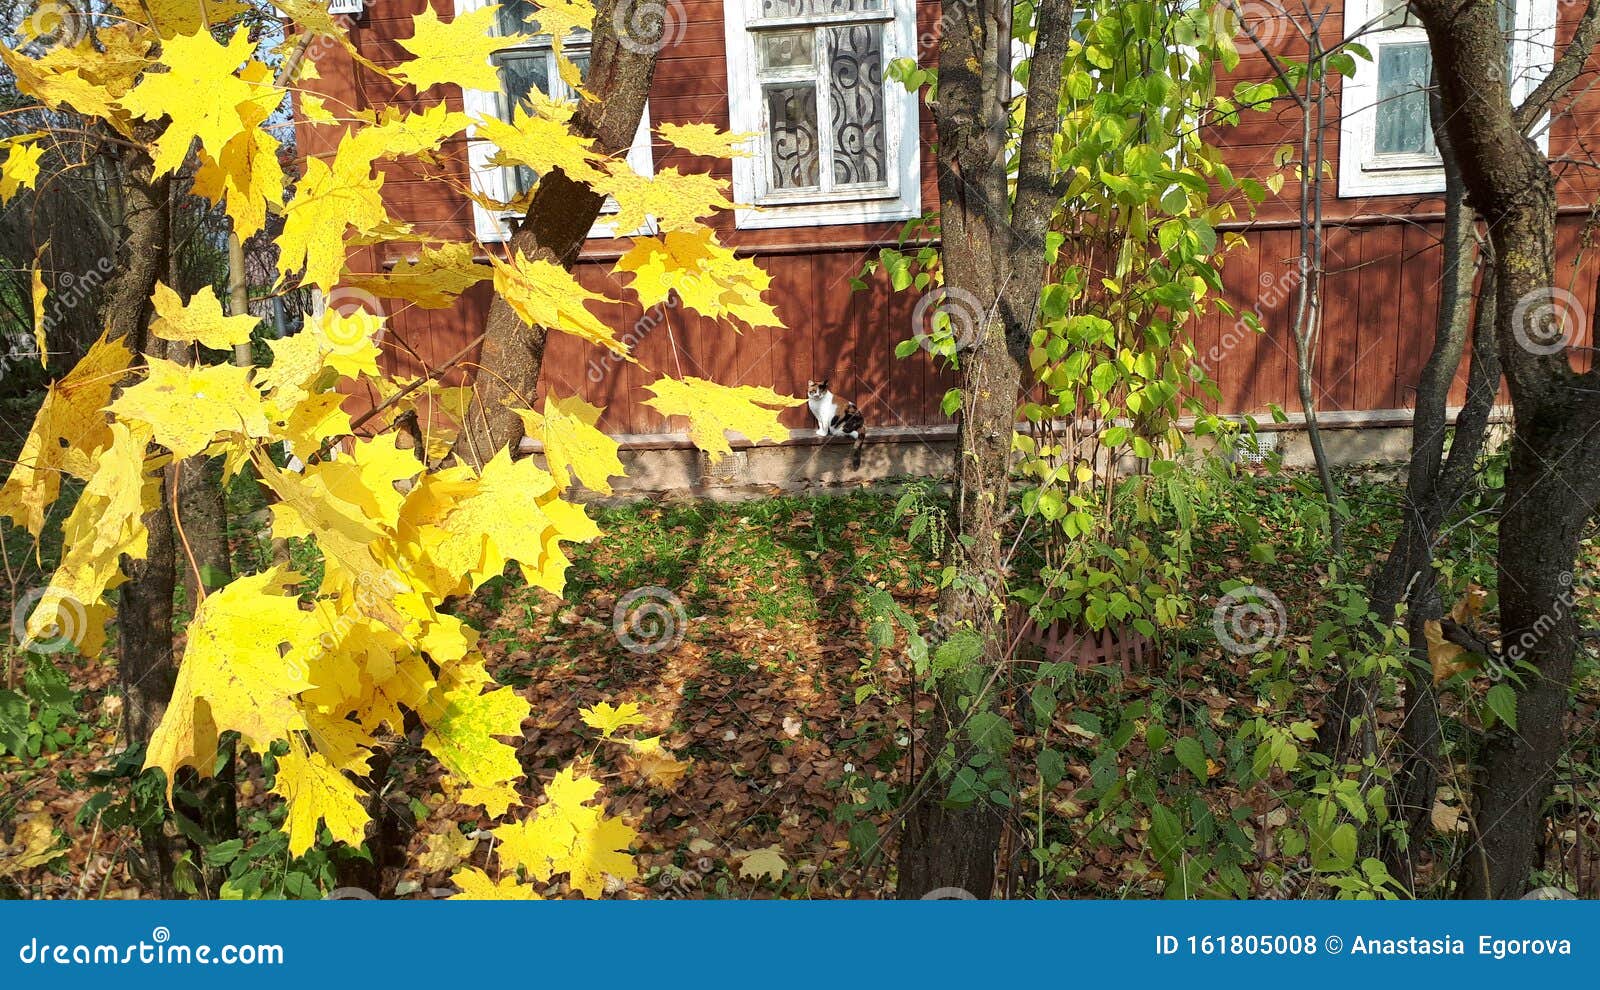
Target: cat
[[835, 418]]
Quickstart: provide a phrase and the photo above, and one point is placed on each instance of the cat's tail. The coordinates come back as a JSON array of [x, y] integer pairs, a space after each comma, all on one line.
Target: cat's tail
[[855, 453]]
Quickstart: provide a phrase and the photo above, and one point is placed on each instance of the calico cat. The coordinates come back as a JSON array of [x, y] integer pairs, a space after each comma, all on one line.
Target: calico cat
[[835, 418]]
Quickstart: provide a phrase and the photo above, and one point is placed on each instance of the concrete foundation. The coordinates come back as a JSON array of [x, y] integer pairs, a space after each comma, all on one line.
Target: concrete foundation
[[668, 465]]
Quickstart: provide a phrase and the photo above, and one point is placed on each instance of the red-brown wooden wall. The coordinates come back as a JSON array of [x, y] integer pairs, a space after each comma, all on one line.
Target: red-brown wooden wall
[[1383, 260]]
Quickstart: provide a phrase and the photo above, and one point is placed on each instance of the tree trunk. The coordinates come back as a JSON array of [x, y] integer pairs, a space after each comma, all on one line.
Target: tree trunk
[[145, 667], [558, 222], [1551, 486], [992, 251]]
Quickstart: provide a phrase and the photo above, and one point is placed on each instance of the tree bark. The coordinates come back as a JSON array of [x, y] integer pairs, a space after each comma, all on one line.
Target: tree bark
[[991, 251], [1551, 486], [558, 222]]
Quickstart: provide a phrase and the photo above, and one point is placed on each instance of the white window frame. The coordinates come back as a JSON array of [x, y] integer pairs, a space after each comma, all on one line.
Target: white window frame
[[901, 196], [1532, 53], [497, 182]]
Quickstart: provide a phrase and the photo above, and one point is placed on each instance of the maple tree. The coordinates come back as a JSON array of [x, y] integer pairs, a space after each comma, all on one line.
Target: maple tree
[[312, 670]]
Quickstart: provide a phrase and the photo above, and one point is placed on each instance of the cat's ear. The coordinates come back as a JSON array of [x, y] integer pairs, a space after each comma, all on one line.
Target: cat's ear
[[823, 385]]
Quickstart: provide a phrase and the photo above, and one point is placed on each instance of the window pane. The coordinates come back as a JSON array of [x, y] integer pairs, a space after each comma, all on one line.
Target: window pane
[[1403, 127], [792, 119], [786, 49], [581, 60], [519, 76], [515, 17], [855, 93], [801, 8], [522, 74]]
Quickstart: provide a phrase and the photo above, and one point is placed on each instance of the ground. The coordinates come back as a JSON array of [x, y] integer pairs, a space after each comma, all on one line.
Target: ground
[[754, 660]]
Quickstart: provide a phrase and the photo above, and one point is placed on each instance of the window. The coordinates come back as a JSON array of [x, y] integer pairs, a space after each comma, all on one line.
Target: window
[[1386, 139], [838, 139], [524, 69]]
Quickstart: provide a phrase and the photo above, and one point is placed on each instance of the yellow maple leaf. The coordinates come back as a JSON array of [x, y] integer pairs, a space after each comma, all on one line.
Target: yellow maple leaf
[[196, 64], [475, 885], [107, 523], [68, 430], [169, 18], [433, 280], [326, 203], [542, 144], [716, 410], [199, 321], [767, 861], [357, 569], [234, 676], [313, 16], [395, 132], [444, 850], [705, 139], [187, 408], [545, 294], [658, 767], [574, 447], [608, 719], [246, 178], [90, 76], [33, 844], [566, 835], [512, 512], [675, 201], [463, 721], [20, 170], [455, 52], [496, 799], [314, 421], [559, 18], [40, 337], [315, 791], [708, 277]]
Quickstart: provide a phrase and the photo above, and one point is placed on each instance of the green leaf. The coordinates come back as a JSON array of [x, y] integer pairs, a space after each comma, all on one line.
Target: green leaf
[[1193, 756], [1052, 768], [990, 731], [13, 721], [1502, 700]]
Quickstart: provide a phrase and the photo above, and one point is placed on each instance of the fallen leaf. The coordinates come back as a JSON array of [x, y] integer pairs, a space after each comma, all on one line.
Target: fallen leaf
[[758, 863]]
